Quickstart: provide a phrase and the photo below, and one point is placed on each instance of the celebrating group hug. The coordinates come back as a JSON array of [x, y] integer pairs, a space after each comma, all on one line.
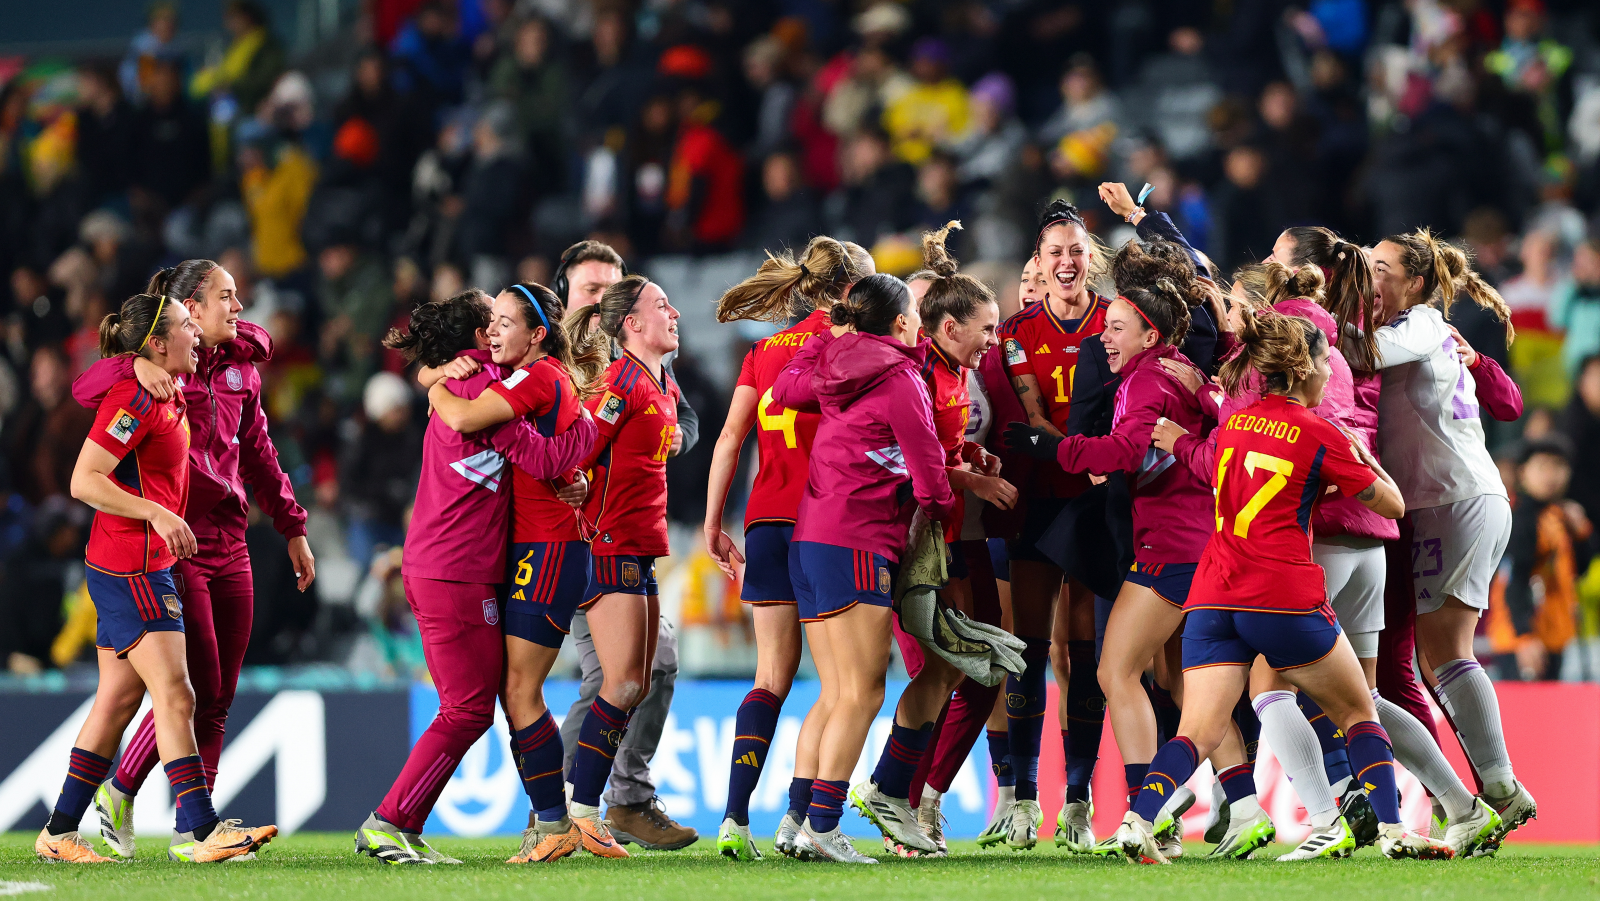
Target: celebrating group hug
[[1158, 484]]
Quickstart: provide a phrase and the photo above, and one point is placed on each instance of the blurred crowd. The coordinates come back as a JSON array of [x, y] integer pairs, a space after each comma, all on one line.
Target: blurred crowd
[[437, 144]]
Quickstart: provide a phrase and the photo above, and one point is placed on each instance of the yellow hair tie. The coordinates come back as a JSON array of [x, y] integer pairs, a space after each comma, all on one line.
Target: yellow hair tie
[[159, 307]]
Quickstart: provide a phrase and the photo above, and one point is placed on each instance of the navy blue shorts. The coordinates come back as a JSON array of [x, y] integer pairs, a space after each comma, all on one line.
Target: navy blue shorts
[[766, 565], [1234, 637], [1170, 581], [620, 574], [545, 582], [1036, 520], [127, 607], [829, 580], [1000, 559]]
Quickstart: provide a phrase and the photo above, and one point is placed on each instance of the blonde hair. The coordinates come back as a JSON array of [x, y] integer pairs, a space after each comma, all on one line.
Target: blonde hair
[[783, 284], [1281, 348], [1446, 271], [951, 293], [591, 343]]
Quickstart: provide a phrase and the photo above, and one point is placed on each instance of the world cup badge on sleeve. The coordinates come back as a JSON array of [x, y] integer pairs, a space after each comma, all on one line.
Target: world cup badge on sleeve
[[611, 408], [122, 426]]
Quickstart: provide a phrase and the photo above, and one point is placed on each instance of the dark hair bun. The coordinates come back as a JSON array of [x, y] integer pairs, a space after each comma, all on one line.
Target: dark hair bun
[[842, 314]]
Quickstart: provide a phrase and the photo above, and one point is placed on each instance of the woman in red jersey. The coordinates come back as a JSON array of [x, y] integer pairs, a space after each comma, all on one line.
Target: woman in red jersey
[[822, 276], [1170, 508], [134, 470], [229, 448], [548, 564], [1041, 347], [634, 401], [874, 444], [1258, 591]]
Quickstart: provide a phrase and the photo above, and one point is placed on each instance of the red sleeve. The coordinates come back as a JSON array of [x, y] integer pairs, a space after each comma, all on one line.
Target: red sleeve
[[1339, 464], [1496, 391], [90, 387], [525, 393], [1124, 448], [747, 369], [258, 464], [123, 418]]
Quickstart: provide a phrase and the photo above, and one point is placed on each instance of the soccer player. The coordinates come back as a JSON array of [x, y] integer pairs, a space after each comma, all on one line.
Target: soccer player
[[134, 470], [548, 564], [451, 574], [960, 317], [1461, 517], [635, 402], [876, 434], [1258, 592], [1041, 346], [1170, 519], [228, 447], [778, 291]]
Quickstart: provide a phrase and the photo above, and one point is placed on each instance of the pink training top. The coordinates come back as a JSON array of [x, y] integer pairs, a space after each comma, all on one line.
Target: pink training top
[[1349, 401], [458, 526], [1172, 509], [228, 441], [876, 433]]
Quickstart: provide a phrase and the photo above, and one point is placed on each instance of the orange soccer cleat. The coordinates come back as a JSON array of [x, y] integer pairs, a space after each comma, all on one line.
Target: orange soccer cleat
[[549, 842], [68, 847], [228, 841], [596, 835]]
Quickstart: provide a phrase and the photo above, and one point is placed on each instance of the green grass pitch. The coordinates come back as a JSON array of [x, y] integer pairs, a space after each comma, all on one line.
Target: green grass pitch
[[321, 867]]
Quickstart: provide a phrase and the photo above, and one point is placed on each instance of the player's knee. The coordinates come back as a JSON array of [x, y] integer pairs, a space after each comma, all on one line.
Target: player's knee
[[627, 693]]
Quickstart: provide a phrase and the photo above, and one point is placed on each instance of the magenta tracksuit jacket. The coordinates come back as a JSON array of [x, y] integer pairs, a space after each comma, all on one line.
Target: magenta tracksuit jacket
[[876, 435], [459, 522], [228, 441]]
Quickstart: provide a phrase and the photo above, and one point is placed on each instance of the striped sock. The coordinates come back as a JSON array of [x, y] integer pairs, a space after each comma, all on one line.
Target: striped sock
[[1172, 767], [752, 736], [1000, 758], [1372, 756], [138, 758], [1025, 703], [1470, 701], [538, 753], [1244, 716], [85, 771], [601, 734], [188, 778], [1238, 782], [827, 804], [1335, 757], [799, 798], [1086, 711], [901, 756], [1133, 774]]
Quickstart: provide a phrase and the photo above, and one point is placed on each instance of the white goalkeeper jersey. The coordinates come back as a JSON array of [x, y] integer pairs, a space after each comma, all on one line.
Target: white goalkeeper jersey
[[1429, 435]]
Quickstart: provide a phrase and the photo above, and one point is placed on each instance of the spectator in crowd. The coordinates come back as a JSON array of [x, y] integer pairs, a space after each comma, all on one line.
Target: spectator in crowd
[[996, 135], [705, 184], [534, 83], [378, 472], [492, 199], [765, 69], [431, 56], [105, 136], [1581, 426], [1575, 306], [48, 430], [876, 192], [933, 112], [149, 46], [787, 215], [276, 179], [249, 67], [400, 132], [1176, 91], [1244, 233], [170, 159], [358, 304]]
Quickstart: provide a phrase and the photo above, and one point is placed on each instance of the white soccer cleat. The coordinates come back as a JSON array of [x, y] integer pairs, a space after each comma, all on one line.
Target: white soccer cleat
[[1513, 812], [931, 821], [116, 819], [1026, 818], [1471, 835], [1218, 820], [1330, 841], [1074, 830], [832, 846], [1169, 821], [1137, 840], [788, 831], [999, 825], [1246, 836], [894, 818], [1395, 843]]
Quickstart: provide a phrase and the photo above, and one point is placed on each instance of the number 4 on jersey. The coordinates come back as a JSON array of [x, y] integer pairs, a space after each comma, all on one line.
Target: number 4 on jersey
[[777, 422]]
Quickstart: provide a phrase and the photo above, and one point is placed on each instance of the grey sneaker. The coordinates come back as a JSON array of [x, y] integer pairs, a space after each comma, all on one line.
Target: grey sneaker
[[1330, 841], [894, 818], [1026, 818], [116, 819], [831, 846], [1469, 836], [1513, 812], [788, 831], [383, 840], [1169, 820]]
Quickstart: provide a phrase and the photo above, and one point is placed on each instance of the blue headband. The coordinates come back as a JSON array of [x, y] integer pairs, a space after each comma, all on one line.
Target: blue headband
[[536, 308]]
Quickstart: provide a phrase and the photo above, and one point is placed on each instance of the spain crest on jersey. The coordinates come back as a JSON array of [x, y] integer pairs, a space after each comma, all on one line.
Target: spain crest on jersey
[[611, 408], [235, 378], [491, 611]]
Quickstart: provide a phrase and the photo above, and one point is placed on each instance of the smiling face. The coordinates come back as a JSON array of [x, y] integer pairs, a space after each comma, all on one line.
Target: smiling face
[[177, 351], [1064, 257], [1282, 250], [511, 341], [1126, 335], [652, 326], [967, 341], [1396, 291], [215, 309], [1032, 288], [589, 279], [1316, 385]]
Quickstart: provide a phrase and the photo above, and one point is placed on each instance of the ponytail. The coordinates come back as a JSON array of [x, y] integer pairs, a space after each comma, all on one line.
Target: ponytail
[[824, 271], [1351, 296], [1446, 270], [184, 281], [951, 294], [129, 330], [874, 304], [1281, 348]]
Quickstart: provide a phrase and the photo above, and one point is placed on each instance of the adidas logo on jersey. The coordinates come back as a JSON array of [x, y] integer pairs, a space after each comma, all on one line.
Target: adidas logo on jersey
[[951, 403], [1043, 349], [651, 410]]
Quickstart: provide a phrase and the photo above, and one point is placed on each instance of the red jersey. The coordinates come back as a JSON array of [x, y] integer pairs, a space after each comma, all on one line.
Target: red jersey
[[151, 439], [637, 417], [952, 405], [783, 436], [1037, 343], [542, 392], [1274, 460]]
